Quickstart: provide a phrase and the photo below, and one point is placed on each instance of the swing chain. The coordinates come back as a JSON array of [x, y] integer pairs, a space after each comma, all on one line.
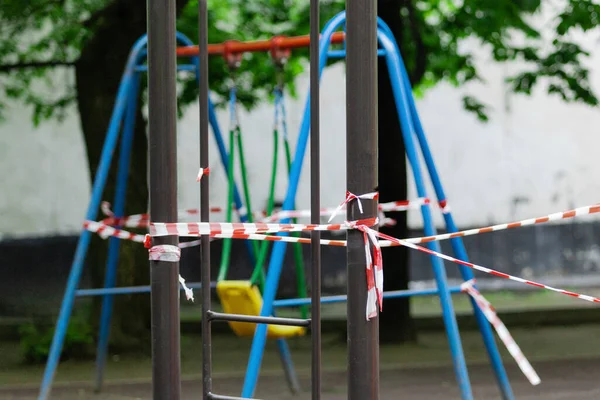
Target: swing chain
[[278, 94], [234, 61], [280, 58]]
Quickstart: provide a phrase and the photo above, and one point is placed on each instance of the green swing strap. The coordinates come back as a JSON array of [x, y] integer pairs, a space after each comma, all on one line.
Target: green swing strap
[[235, 137], [226, 251], [262, 255], [299, 259]]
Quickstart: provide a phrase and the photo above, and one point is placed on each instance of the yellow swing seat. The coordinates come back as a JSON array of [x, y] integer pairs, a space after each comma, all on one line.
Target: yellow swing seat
[[241, 297]]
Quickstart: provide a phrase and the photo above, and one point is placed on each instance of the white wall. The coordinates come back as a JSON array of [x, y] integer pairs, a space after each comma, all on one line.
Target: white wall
[[536, 155]]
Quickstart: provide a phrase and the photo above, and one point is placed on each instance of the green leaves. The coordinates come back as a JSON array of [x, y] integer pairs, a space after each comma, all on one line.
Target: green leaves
[[40, 36], [578, 14], [248, 21], [507, 30]]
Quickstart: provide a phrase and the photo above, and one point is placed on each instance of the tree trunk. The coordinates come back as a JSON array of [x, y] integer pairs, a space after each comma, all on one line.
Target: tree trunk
[[396, 324], [98, 73]]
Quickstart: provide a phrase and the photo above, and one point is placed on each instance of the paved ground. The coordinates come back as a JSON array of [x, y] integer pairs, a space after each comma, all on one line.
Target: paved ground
[[572, 380], [566, 358]]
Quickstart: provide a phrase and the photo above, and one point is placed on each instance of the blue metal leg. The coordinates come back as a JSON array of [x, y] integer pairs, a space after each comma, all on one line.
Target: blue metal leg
[[461, 253], [484, 326], [288, 365], [458, 358], [278, 252], [457, 244], [260, 335], [114, 245], [401, 99], [84, 240]]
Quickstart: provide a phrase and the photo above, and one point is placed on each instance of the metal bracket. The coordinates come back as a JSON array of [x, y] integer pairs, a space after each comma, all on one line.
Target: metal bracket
[[279, 54], [232, 58]]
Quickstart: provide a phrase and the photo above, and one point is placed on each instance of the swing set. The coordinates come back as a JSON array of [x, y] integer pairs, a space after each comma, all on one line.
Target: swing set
[[244, 297], [255, 297]]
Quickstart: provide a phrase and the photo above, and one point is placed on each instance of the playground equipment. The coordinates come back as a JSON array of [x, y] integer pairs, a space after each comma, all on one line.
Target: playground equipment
[[122, 122], [411, 130], [240, 297], [244, 294], [243, 297]]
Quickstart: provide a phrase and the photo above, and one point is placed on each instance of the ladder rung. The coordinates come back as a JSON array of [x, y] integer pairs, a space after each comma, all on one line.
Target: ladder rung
[[222, 397], [215, 316]]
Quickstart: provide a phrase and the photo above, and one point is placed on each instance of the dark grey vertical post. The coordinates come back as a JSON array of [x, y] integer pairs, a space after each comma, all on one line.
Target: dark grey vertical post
[[162, 119], [315, 203], [204, 206], [361, 170]]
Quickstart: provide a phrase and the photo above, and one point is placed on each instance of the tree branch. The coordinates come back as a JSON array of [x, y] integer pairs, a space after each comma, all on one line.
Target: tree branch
[[35, 64], [94, 17]]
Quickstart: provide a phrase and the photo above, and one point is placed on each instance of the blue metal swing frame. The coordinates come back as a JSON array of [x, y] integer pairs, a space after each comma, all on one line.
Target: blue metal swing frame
[[122, 123], [411, 129], [124, 117]]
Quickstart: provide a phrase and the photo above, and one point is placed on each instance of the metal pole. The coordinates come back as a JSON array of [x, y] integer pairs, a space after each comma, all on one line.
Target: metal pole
[[361, 170], [315, 203], [162, 119], [204, 206]]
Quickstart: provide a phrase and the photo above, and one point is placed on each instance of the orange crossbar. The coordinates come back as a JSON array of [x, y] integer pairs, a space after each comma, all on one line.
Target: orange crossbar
[[234, 47]]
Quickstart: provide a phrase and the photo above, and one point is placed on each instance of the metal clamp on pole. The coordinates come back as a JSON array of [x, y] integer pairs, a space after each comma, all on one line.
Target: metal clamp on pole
[[279, 54], [233, 59]]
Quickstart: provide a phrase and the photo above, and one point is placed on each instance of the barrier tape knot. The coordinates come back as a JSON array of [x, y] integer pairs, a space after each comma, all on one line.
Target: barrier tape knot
[[351, 196], [169, 253], [201, 173], [444, 206]]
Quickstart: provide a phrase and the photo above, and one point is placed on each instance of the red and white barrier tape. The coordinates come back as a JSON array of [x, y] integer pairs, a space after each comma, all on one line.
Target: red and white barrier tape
[[486, 270], [272, 238], [512, 347], [374, 272], [386, 243], [201, 173], [192, 229], [391, 206], [105, 231], [169, 253], [189, 294], [256, 231], [494, 228], [349, 198], [403, 205], [164, 252], [444, 206], [106, 210], [142, 220], [577, 212]]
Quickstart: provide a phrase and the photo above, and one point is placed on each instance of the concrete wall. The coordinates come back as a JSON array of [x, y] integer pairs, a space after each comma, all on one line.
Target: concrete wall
[[536, 155]]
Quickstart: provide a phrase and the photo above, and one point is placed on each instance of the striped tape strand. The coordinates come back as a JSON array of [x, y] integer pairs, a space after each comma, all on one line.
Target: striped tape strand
[[503, 333]]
